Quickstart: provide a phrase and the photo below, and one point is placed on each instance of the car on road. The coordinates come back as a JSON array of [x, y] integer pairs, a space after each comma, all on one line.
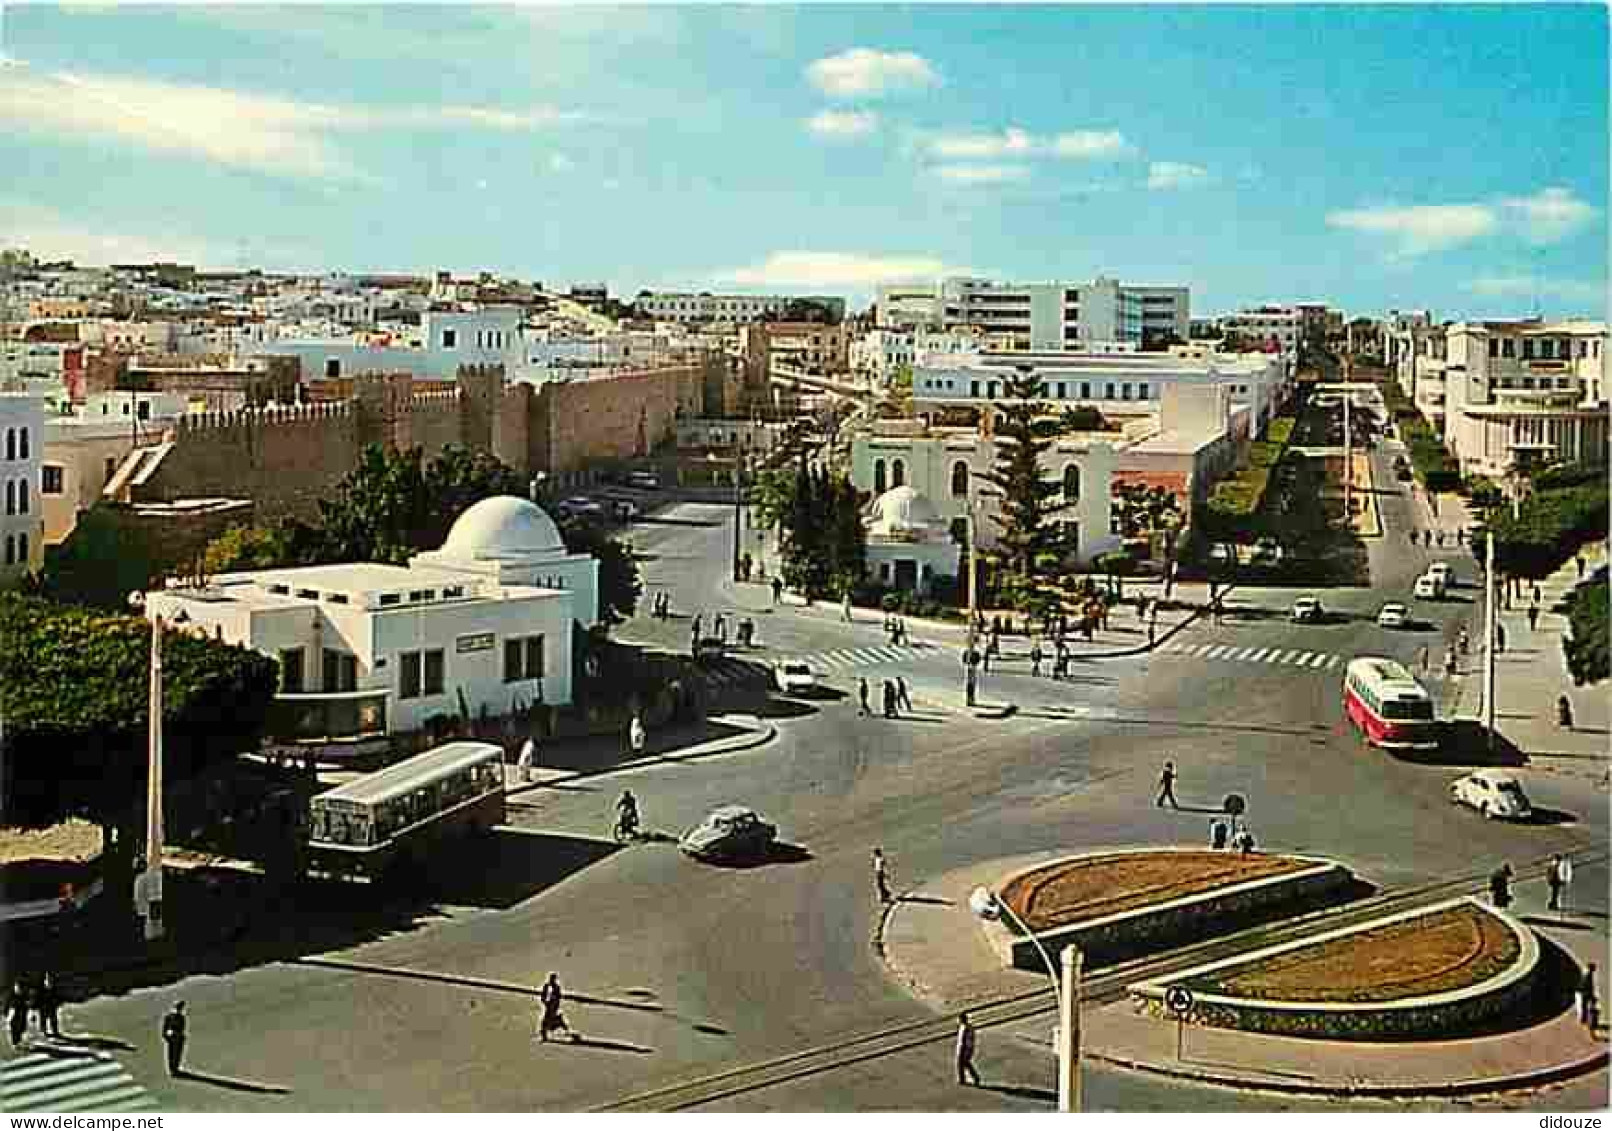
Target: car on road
[[1444, 572], [1307, 609], [1267, 551], [729, 832], [647, 480], [1428, 587], [623, 510], [793, 675], [1494, 793], [580, 506], [1393, 615]]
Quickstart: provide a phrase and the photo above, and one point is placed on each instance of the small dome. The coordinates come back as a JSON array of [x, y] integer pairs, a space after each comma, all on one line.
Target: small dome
[[503, 527], [904, 511]]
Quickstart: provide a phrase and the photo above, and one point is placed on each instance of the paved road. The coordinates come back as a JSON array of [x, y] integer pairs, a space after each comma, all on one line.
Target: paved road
[[681, 969]]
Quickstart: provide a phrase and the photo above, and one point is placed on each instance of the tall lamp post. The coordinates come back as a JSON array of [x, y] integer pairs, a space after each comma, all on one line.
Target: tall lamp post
[[738, 511], [985, 905]]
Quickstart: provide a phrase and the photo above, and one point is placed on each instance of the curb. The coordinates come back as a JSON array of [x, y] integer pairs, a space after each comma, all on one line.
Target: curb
[[732, 745], [1529, 1078]]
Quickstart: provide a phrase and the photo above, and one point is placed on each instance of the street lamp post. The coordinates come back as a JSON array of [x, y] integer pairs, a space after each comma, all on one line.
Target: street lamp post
[[738, 510], [986, 905]]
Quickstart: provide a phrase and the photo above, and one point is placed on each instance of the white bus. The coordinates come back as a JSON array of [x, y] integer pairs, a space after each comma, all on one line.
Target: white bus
[[1389, 707]]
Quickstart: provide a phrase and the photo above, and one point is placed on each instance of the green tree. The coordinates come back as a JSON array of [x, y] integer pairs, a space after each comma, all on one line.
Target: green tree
[[247, 547], [847, 538], [620, 585], [101, 562], [1585, 646], [1029, 539]]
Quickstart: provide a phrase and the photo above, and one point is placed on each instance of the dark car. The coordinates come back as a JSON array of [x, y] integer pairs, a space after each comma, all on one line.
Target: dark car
[[729, 832]]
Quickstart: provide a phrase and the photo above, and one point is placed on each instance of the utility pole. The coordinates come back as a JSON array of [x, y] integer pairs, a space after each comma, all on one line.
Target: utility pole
[[1489, 641], [1348, 461], [738, 511], [1069, 1032], [148, 886]]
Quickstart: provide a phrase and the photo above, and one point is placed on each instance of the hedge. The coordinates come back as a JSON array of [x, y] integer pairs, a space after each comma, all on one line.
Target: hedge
[[1585, 647], [1239, 495]]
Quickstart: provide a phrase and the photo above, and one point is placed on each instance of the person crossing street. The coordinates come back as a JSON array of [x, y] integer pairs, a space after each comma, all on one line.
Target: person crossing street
[[881, 877], [174, 1035], [552, 997], [966, 1072], [1167, 787]]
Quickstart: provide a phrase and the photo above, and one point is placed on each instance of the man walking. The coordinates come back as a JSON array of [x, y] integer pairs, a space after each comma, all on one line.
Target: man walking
[[1035, 659], [1553, 877], [636, 736], [966, 1072], [903, 700], [527, 758], [1500, 886], [17, 1012], [777, 591], [173, 1035], [845, 606], [1533, 618], [48, 1001], [862, 695], [1167, 787], [1589, 1008], [887, 691], [1564, 871], [881, 877], [553, 1020]]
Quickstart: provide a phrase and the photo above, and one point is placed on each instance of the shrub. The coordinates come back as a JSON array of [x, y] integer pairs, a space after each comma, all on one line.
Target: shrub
[[1585, 647]]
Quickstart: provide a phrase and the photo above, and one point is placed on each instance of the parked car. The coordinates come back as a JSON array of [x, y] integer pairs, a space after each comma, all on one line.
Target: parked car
[[793, 675], [648, 480], [1392, 615], [1494, 793], [1428, 587], [729, 832], [1307, 609], [1267, 552]]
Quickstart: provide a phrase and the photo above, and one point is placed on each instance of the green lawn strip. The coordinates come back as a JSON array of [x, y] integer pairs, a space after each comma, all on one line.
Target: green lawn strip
[[1417, 957]]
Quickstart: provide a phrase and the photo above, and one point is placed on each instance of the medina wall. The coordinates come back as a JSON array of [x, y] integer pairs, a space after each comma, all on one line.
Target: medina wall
[[613, 418]]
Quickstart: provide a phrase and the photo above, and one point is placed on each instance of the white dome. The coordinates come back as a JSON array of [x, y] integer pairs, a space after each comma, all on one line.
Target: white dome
[[503, 527], [904, 511]]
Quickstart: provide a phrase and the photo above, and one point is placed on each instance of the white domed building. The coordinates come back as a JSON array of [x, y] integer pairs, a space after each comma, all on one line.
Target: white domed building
[[909, 543], [369, 650]]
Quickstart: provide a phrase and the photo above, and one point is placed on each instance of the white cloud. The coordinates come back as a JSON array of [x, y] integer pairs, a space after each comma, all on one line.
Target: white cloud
[[1420, 229], [235, 128], [973, 145], [863, 72], [840, 124], [1550, 215], [1092, 144], [1175, 175], [50, 235], [837, 269], [1531, 286], [981, 174]]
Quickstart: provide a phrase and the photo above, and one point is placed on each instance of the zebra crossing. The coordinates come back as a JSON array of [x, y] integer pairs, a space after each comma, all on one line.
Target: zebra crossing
[[69, 1079], [844, 659], [1280, 657]]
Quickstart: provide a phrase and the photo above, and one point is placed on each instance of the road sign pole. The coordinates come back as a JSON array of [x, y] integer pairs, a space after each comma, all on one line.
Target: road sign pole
[[1069, 1032]]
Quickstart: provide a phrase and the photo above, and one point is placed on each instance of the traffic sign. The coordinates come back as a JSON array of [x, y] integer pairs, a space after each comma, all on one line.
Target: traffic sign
[[1234, 804], [1178, 999]]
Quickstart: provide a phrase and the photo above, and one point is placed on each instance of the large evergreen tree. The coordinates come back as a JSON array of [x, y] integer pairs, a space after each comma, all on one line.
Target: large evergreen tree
[[1030, 539]]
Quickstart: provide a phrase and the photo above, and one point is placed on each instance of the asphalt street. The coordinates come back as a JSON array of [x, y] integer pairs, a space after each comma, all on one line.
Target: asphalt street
[[680, 969]]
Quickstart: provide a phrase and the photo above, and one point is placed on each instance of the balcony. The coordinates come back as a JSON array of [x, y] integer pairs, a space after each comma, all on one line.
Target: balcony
[[312, 718]]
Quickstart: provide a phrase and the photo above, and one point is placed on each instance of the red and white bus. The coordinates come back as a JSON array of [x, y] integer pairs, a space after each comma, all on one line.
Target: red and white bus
[[1388, 706]]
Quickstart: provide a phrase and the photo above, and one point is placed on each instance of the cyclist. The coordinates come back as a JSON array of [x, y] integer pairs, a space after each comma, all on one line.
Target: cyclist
[[627, 816]]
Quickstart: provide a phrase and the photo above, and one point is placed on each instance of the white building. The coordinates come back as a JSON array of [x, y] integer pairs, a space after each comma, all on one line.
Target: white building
[[1278, 326], [878, 353], [369, 650], [22, 524], [449, 339], [909, 544], [1042, 316], [686, 307], [1119, 384], [944, 465], [1525, 391]]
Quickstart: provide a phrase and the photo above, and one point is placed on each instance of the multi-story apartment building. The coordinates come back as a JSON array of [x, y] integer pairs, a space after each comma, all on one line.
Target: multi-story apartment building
[[680, 306], [1043, 316], [22, 524], [1278, 327], [1527, 391], [879, 352]]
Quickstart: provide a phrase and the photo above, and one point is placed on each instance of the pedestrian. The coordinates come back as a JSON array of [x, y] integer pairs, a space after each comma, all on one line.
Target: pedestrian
[[1035, 658], [1578, 560], [970, 686], [887, 692], [1589, 1008], [903, 700], [527, 758], [1499, 637], [552, 997], [862, 695], [777, 591], [1217, 834], [1533, 618], [695, 628], [1060, 666], [719, 628], [17, 1012], [1167, 787], [173, 1035], [48, 1001], [1245, 841], [845, 606], [901, 631], [1500, 886], [881, 877], [1421, 658], [636, 736], [1536, 592], [1565, 871], [966, 1072], [1553, 877]]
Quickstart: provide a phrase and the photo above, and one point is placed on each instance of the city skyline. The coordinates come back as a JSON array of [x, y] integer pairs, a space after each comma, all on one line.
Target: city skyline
[[1366, 157]]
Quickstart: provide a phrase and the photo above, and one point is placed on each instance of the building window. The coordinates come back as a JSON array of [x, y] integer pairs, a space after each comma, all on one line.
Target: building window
[[523, 658], [332, 367], [1508, 348], [974, 389], [450, 339], [990, 390], [291, 670], [1085, 390], [1527, 349], [1125, 391], [50, 482], [1060, 390], [435, 667], [22, 549], [11, 497], [11, 443], [11, 549], [22, 496], [878, 477], [1143, 392], [959, 480], [22, 444], [1494, 347], [1071, 483], [339, 672], [1108, 391], [898, 473], [1547, 349], [390, 599], [408, 675]]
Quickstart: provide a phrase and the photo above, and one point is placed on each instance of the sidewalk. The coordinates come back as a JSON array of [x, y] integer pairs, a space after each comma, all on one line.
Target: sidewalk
[[932, 944], [590, 757], [1532, 672]]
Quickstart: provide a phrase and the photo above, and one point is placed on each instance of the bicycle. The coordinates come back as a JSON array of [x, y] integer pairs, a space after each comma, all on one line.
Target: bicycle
[[626, 830]]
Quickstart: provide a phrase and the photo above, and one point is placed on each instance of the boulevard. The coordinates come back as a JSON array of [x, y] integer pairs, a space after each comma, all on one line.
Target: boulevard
[[677, 970]]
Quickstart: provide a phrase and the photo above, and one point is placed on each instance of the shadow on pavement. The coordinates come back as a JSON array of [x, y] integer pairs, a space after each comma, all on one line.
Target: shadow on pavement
[[1022, 1092], [503, 868], [775, 708], [1556, 924], [95, 1041], [1465, 742], [230, 1083], [1542, 816], [776, 853], [611, 1046]]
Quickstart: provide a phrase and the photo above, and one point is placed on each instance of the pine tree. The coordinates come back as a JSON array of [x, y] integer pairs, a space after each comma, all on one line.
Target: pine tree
[[1030, 540]]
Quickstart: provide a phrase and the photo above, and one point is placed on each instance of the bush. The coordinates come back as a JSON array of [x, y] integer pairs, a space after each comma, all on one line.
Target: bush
[[1585, 648]]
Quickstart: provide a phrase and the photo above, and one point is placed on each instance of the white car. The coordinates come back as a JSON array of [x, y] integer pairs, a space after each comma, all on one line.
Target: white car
[[1428, 588], [1392, 615], [1494, 793], [793, 675], [1444, 572], [1307, 609], [645, 480]]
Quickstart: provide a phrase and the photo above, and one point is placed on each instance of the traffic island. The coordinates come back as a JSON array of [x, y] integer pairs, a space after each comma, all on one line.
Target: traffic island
[[1431, 973], [1121, 905]]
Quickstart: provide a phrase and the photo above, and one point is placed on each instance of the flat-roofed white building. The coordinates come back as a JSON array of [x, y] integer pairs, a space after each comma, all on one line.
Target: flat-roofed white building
[[1525, 391], [1279, 326], [1042, 316], [22, 524], [368, 650], [681, 306]]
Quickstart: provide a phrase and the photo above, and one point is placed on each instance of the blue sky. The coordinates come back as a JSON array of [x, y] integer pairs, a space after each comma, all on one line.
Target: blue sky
[[1448, 157]]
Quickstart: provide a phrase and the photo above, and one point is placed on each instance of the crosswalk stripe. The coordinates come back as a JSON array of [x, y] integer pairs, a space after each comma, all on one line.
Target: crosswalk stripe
[[96, 1082], [1320, 660], [1302, 659], [1332, 662], [1219, 652], [1246, 653], [1263, 655]]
